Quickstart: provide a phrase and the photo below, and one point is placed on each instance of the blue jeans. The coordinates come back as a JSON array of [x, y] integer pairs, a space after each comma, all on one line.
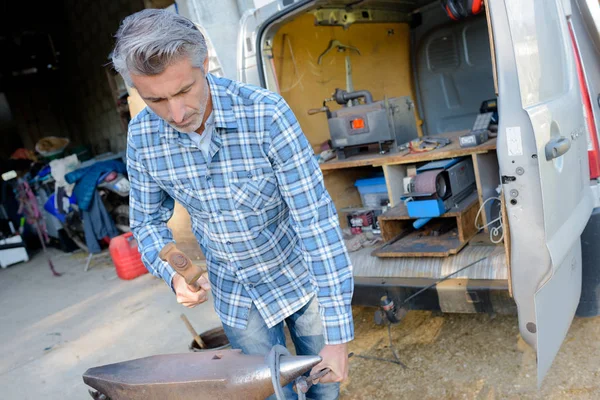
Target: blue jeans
[[306, 331]]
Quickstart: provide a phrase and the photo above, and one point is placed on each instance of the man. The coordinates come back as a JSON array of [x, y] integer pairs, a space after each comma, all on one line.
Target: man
[[235, 157]]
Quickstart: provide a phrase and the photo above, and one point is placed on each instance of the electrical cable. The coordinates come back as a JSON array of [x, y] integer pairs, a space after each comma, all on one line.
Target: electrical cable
[[495, 231], [409, 298]]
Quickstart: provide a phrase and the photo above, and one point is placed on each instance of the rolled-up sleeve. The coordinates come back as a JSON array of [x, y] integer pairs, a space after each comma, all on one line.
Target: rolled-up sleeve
[[315, 220], [150, 208]]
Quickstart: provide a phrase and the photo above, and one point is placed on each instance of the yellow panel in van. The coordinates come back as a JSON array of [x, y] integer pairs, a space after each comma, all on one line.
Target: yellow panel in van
[[383, 67]]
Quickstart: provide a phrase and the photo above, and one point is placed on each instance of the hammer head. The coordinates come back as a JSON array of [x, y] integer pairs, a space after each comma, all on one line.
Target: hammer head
[[181, 263]]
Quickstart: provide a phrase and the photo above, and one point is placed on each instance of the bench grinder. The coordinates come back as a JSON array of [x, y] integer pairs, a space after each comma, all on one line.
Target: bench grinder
[[388, 123]]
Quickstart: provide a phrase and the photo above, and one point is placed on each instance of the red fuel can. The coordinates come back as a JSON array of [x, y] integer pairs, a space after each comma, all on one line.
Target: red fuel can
[[126, 257]]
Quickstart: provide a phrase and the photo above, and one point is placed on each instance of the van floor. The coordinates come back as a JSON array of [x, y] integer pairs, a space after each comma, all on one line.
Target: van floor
[[53, 329], [493, 266]]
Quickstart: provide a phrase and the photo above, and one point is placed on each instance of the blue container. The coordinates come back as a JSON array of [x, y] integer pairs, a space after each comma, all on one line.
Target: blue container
[[373, 191]]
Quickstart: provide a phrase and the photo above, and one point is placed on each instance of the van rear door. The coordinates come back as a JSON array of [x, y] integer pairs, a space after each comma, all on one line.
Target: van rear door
[[247, 70], [542, 152]]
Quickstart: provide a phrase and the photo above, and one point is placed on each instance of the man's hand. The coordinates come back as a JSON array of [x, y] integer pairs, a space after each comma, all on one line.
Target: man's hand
[[335, 357], [188, 295]]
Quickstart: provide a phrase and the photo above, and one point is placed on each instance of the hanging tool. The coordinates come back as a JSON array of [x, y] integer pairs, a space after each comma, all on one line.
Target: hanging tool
[[342, 48], [427, 143], [191, 329], [220, 374]]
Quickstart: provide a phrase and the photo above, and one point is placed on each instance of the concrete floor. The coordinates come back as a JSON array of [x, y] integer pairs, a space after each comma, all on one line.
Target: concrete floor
[[53, 329]]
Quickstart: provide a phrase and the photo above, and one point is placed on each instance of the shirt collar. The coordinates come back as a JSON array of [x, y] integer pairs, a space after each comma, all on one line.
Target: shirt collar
[[222, 112], [222, 105]]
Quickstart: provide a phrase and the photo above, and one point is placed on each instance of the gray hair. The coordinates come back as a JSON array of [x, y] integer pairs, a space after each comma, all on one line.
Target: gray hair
[[151, 40]]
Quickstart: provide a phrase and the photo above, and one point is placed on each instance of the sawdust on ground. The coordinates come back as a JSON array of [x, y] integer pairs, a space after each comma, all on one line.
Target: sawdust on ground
[[468, 356]]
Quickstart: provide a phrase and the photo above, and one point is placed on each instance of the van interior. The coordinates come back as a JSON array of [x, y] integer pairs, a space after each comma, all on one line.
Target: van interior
[[395, 49]]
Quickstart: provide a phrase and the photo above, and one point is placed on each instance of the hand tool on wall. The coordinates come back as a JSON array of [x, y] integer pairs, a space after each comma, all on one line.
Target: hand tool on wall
[[342, 48]]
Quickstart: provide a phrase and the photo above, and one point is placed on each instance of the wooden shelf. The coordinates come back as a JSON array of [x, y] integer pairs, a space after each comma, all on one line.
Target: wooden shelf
[[402, 240], [401, 212], [376, 160]]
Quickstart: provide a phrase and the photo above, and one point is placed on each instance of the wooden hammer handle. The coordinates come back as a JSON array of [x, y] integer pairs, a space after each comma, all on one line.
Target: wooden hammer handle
[[191, 329]]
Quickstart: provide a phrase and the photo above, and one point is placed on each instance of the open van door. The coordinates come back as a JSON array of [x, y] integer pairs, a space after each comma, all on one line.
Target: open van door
[[247, 69], [543, 156]]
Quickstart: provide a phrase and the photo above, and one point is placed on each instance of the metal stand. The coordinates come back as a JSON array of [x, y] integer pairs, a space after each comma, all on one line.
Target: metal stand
[[87, 264]]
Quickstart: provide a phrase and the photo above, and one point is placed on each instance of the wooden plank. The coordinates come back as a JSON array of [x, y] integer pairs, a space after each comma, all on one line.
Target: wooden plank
[[507, 249], [400, 211], [483, 216], [416, 245], [393, 229], [453, 150], [450, 151], [403, 241], [466, 222], [492, 45], [394, 177], [487, 176]]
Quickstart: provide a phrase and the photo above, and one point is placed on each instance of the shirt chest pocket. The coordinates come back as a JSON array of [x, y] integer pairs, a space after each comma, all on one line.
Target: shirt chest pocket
[[185, 191], [254, 189]]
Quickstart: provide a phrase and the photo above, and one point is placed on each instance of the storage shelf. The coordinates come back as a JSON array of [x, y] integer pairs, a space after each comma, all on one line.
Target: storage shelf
[[401, 212], [377, 160], [402, 240]]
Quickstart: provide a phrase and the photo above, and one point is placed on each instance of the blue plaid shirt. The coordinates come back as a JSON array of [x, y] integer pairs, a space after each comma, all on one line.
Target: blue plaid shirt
[[258, 206]]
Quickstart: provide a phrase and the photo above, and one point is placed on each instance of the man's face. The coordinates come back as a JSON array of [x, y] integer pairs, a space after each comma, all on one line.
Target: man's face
[[179, 95]]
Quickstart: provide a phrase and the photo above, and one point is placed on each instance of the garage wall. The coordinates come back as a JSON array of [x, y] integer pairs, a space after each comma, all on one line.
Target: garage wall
[[92, 25]]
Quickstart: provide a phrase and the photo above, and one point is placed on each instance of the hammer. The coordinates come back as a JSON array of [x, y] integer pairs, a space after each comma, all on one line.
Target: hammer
[[182, 264], [190, 272]]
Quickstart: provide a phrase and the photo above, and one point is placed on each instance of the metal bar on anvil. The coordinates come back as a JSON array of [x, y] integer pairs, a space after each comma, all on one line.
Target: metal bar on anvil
[[223, 375]]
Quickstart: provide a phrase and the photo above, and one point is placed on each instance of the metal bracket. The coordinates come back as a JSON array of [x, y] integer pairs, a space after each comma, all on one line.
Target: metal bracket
[[341, 17]]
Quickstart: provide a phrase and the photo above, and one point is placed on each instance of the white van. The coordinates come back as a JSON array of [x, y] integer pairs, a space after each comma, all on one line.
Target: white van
[[540, 60]]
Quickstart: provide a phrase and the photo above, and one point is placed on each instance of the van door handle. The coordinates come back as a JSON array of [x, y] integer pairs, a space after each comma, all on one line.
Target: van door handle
[[557, 147]]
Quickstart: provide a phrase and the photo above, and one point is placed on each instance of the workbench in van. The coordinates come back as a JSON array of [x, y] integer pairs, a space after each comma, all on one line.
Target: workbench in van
[[400, 239]]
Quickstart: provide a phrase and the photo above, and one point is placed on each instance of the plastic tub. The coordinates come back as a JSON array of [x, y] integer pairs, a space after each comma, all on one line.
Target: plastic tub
[[373, 191]]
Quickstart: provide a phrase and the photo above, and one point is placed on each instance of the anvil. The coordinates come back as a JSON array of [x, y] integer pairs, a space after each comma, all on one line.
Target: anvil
[[219, 374]]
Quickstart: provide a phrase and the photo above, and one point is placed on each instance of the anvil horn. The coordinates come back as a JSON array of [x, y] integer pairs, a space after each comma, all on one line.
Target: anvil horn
[[222, 375]]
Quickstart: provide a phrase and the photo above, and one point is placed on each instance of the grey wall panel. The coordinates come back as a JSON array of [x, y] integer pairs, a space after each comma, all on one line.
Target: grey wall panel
[[453, 71]]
